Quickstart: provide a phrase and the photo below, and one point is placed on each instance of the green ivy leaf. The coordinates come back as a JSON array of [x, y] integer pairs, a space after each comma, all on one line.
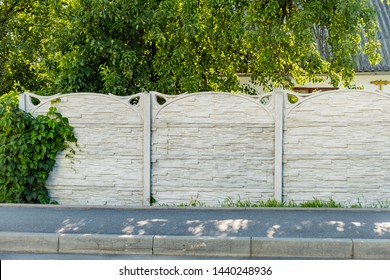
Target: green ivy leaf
[[28, 151]]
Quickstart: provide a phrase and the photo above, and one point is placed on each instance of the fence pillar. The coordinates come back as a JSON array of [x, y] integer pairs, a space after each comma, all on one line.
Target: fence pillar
[[23, 102], [279, 97], [147, 147]]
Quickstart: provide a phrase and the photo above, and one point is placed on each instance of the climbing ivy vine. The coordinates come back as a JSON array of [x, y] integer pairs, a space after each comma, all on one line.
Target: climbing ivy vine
[[28, 148]]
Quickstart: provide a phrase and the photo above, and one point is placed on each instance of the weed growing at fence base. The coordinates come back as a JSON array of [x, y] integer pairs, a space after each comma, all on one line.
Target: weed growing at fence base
[[315, 203]]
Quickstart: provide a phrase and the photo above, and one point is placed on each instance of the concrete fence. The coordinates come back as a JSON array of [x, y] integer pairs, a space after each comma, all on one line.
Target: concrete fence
[[210, 146]]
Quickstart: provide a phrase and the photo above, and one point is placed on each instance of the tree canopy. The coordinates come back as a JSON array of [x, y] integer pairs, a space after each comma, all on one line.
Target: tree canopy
[[173, 46]]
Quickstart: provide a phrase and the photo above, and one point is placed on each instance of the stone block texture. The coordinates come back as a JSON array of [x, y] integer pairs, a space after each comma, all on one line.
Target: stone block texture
[[211, 146], [108, 166], [337, 144]]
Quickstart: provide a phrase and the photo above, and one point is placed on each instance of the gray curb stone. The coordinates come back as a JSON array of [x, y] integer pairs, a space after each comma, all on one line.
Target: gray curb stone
[[371, 249], [106, 243], [28, 242], [302, 247], [201, 246], [196, 246]]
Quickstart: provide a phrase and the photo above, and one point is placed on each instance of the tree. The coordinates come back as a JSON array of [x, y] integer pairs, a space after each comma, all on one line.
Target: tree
[[22, 24], [293, 41], [173, 46], [100, 46], [199, 45]]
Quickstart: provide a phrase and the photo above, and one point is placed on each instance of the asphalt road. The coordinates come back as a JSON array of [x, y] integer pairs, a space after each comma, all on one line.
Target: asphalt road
[[226, 222]]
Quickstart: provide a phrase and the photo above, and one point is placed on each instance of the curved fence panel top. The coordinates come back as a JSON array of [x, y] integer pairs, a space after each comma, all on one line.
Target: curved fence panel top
[[216, 106], [108, 167], [211, 146]]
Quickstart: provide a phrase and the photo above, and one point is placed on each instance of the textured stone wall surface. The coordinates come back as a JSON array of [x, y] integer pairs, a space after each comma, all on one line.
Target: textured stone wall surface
[[337, 144], [211, 146], [108, 168]]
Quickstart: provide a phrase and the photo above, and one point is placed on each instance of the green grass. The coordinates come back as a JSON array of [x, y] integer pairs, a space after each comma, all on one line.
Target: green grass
[[315, 203], [269, 203]]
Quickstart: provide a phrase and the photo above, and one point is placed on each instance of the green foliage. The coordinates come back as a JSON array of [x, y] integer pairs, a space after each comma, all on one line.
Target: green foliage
[[152, 200], [272, 203], [173, 46], [192, 203], [379, 204], [292, 98], [198, 45], [28, 147], [229, 202], [23, 30], [317, 203], [296, 40], [357, 205]]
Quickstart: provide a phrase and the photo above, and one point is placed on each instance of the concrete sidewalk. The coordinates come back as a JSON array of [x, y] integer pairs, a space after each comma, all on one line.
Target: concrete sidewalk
[[222, 232]]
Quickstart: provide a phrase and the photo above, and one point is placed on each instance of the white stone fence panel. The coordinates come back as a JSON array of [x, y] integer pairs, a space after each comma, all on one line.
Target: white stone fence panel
[[210, 146], [337, 144], [108, 167]]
